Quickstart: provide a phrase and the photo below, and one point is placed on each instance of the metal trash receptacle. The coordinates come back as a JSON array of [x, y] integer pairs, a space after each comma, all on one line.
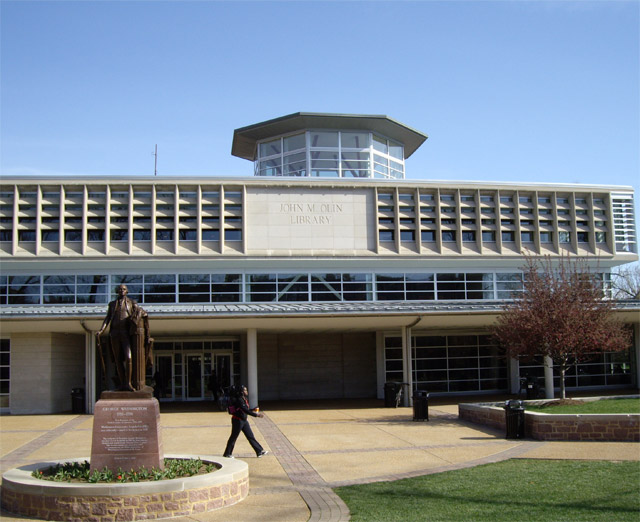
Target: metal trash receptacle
[[77, 400], [533, 388], [390, 391], [420, 405], [514, 417]]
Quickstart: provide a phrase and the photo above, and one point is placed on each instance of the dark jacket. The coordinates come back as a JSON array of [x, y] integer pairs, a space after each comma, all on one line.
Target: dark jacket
[[239, 408]]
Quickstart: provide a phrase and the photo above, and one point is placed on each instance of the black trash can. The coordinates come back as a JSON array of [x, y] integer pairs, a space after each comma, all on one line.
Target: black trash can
[[77, 400], [514, 416], [533, 388], [390, 391], [420, 405]]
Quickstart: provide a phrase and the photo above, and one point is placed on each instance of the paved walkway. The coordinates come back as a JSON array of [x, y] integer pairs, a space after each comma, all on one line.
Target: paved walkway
[[313, 449]]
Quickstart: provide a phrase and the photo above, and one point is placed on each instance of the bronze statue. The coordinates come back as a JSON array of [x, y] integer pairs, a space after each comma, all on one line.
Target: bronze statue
[[131, 345]]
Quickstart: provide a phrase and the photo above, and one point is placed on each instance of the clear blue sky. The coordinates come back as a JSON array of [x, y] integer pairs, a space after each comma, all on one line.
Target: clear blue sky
[[507, 91]]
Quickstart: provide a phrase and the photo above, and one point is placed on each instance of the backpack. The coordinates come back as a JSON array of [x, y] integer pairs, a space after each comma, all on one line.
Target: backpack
[[224, 400]]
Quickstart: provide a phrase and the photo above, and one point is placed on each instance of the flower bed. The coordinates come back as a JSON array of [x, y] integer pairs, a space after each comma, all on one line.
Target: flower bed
[[25, 495], [544, 426]]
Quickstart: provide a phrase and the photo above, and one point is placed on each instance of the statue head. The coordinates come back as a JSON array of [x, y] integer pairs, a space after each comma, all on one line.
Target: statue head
[[122, 290]]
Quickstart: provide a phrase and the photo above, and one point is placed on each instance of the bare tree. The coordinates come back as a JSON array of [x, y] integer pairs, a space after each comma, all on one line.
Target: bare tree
[[625, 282], [562, 315]]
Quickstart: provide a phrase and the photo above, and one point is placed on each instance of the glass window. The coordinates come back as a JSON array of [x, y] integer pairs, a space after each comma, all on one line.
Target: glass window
[[387, 235], [448, 235], [407, 235], [73, 235], [188, 235], [469, 236], [27, 235], [546, 237], [488, 236], [564, 237], [270, 148], [326, 287], [526, 237], [233, 235], [508, 236], [211, 235], [164, 235], [50, 235], [142, 235], [355, 140], [428, 236], [583, 237], [324, 139], [380, 145], [357, 287], [396, 150], [119, 235], [601, 237], [295, 142]]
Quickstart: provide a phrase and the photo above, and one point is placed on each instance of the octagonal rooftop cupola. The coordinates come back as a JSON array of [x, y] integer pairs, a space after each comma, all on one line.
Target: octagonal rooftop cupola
[[324, 145]]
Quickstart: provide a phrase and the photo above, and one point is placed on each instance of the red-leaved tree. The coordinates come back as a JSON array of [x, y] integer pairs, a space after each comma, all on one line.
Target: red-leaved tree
[[562, 314]]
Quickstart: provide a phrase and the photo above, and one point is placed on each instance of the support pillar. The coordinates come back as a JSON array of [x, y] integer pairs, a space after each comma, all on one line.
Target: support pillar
[[252, 366], [635, 353], [514, 375], [407, 365], [548, 377]]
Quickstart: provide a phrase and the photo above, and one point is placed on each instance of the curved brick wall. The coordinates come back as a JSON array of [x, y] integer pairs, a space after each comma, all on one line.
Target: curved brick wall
[[545, 426], [35, 498]]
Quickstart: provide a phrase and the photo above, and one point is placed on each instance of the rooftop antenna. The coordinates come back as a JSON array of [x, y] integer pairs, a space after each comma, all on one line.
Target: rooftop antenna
[[155, 166]]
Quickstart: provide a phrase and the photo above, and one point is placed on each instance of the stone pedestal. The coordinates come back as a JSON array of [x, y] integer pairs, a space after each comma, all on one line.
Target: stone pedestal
[[126, 432]]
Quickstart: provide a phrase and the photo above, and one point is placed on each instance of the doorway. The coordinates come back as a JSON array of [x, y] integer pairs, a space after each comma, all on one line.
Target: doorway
[[193, 377], [163, 377], [194, 370]]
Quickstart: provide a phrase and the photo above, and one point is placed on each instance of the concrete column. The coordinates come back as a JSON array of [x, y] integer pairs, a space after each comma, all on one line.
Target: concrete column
[[380, 366], [514, 375], [407, 365], [89, 371], [252, 366], [548, 377], [636, 348]]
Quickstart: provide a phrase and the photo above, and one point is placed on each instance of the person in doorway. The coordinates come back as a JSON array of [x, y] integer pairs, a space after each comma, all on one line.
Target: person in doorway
[[239, 409]]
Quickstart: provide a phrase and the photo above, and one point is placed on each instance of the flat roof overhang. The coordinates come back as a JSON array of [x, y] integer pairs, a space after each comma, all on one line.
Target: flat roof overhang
[[207, 320], [245, 139]]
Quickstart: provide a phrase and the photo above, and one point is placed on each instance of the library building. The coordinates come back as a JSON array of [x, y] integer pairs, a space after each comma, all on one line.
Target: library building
[[322, 274]]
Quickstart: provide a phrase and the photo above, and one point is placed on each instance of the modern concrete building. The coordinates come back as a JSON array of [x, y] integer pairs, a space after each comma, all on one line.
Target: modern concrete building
[[324, 275]]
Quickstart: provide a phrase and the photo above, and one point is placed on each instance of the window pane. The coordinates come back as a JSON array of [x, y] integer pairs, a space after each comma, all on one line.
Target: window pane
[[396, 150], [270, 148], [324, 139], [355, 140], [380, 145], [294, 142]]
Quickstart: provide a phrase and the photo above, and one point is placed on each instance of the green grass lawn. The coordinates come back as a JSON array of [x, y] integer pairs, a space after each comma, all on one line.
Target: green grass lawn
[[516, 490], [601, 406]]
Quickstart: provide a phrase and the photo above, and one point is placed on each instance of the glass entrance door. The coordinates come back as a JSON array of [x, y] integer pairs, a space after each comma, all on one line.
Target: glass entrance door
[[223, 370], [193, 377], [163, 377]]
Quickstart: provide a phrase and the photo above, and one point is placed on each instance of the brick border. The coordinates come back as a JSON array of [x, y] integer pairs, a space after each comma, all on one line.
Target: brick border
[[35, 498], [559, 427]]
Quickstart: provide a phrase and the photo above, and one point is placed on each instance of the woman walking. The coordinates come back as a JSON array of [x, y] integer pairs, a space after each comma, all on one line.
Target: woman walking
[[239, 409]]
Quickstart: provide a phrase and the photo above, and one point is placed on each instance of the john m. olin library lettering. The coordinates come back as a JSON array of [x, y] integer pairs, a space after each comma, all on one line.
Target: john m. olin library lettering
[[323, 275]]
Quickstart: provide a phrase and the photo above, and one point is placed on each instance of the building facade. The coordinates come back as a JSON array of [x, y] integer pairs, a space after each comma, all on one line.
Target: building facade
[[324, 275]]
